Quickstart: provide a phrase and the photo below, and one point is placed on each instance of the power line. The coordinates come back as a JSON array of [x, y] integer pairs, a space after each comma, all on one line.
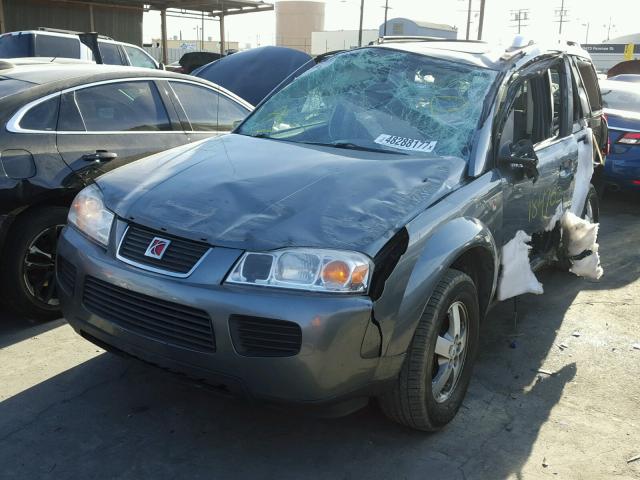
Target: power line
[[518, 17]]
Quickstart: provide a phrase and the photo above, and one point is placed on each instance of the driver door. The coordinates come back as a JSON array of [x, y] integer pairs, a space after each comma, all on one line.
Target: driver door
[[538, 112]]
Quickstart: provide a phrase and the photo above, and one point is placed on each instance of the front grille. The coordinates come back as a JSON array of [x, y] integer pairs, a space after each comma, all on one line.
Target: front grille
[[180, 256], [66, 274], [265, 337], [161, 320]]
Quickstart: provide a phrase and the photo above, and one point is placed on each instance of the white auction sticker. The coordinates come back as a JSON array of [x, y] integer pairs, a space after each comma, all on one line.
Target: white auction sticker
[[404, 143]]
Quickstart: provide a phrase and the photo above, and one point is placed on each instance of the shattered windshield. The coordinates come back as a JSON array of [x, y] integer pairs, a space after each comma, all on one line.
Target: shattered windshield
[[381, 100]]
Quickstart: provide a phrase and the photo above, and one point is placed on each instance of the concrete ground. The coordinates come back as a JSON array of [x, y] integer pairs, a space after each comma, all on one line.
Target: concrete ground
[[555, 396]]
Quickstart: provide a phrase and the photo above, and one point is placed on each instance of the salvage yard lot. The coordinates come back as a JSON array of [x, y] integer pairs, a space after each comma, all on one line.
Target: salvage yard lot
[[554, 396]]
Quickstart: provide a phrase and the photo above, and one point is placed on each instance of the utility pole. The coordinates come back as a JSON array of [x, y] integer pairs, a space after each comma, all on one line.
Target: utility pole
[[386, 10], [561, 14], [609, 29], [360, 29], [518, 17], [481, 19], [469, 19]]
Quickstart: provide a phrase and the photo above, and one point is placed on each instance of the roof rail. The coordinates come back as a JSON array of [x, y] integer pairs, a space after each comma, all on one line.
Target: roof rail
[[69, 32], [409, 38]]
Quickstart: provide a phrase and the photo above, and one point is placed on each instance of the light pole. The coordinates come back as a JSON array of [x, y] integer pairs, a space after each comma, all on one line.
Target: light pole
[[386, 10], [586, 37]]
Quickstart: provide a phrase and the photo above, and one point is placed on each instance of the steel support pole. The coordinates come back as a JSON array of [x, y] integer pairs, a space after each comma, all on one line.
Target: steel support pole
[[481, 19], [3, 27], [468, 19], [360, 28], [92, 24], [163, 35], [222, 42]]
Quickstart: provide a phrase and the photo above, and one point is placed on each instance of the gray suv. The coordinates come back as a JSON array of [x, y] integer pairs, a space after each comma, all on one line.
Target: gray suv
[[345, 241]]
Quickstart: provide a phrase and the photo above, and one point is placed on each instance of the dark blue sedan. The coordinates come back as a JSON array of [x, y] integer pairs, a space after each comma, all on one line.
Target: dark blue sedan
[[622, 107]]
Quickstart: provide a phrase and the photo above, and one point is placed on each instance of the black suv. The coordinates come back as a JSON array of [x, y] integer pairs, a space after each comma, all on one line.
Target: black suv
[[63, 125]]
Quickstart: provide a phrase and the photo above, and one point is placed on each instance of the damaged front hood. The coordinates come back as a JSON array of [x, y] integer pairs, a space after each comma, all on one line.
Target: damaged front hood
[[257, 194]]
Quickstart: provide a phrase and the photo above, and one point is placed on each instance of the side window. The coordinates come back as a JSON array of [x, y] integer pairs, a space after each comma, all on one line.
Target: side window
[[122, 106], [70, 119], [200, 104], [538, 108], [556, 85], [138, 58], [110, 54], [43, 116], [519, 123], [229, 113], [590, 80], [54, 46]]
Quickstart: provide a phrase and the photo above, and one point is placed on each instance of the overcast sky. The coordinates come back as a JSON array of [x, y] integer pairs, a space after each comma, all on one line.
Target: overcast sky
[[259, 28]]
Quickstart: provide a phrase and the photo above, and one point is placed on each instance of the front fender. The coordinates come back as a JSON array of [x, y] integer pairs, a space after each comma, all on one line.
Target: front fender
[[431, 250], [420, 270]]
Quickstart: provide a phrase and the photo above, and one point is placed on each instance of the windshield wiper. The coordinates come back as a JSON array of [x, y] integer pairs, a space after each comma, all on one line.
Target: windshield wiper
[[354, 146]]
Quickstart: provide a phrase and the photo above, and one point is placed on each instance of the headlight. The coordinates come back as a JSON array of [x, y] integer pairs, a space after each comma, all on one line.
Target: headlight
[[89, 215], [305, 269]]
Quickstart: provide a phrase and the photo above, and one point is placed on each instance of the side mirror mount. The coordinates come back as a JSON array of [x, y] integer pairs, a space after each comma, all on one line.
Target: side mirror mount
[[161, 66], [520, 154]]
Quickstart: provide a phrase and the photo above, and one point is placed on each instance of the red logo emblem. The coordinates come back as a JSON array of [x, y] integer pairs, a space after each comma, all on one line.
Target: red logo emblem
[[157, 248]]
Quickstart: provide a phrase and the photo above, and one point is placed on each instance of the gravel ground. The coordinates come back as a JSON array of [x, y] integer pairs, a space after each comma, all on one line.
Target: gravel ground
[[554, 396]]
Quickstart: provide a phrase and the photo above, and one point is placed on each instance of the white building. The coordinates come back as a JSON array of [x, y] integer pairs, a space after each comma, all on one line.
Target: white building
[[322, 42], [611, 52]]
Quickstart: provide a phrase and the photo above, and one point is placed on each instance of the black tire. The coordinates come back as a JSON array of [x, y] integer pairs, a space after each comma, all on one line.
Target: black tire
[[592, 202], [20, 294], [412, 401]]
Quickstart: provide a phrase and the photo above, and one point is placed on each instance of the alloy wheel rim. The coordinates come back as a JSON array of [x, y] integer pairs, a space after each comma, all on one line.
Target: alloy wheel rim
[[38, 266], [450, 352]]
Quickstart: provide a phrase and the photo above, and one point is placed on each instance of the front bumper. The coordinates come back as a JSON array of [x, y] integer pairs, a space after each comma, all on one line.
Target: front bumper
[[335, 329]]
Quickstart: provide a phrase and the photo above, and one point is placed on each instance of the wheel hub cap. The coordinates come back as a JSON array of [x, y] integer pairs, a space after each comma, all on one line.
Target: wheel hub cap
[[450, 352]]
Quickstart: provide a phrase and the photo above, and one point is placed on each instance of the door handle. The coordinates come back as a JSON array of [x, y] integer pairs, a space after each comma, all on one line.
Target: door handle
[[99, 156]]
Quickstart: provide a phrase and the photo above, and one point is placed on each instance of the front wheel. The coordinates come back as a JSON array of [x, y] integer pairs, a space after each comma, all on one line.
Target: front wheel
[[28, 263], [437, 369]]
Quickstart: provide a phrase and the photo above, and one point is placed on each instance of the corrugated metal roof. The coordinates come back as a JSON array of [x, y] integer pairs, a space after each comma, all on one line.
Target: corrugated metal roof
[[209, 6]]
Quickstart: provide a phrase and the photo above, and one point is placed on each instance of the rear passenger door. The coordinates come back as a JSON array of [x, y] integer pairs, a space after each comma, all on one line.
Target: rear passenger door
[[106, 125], [138, 58], [539, 112], [588, 89], [205, 111]]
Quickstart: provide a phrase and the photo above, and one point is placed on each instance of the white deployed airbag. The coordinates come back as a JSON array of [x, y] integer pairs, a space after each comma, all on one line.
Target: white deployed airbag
[[580, 237], [517, 277]]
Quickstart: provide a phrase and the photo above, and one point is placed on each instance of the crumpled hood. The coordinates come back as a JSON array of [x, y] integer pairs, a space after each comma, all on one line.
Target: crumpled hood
[[258, 194]]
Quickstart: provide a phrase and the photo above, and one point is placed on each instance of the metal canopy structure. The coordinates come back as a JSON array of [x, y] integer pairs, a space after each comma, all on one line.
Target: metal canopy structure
[[187, 8], [213, 8]]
